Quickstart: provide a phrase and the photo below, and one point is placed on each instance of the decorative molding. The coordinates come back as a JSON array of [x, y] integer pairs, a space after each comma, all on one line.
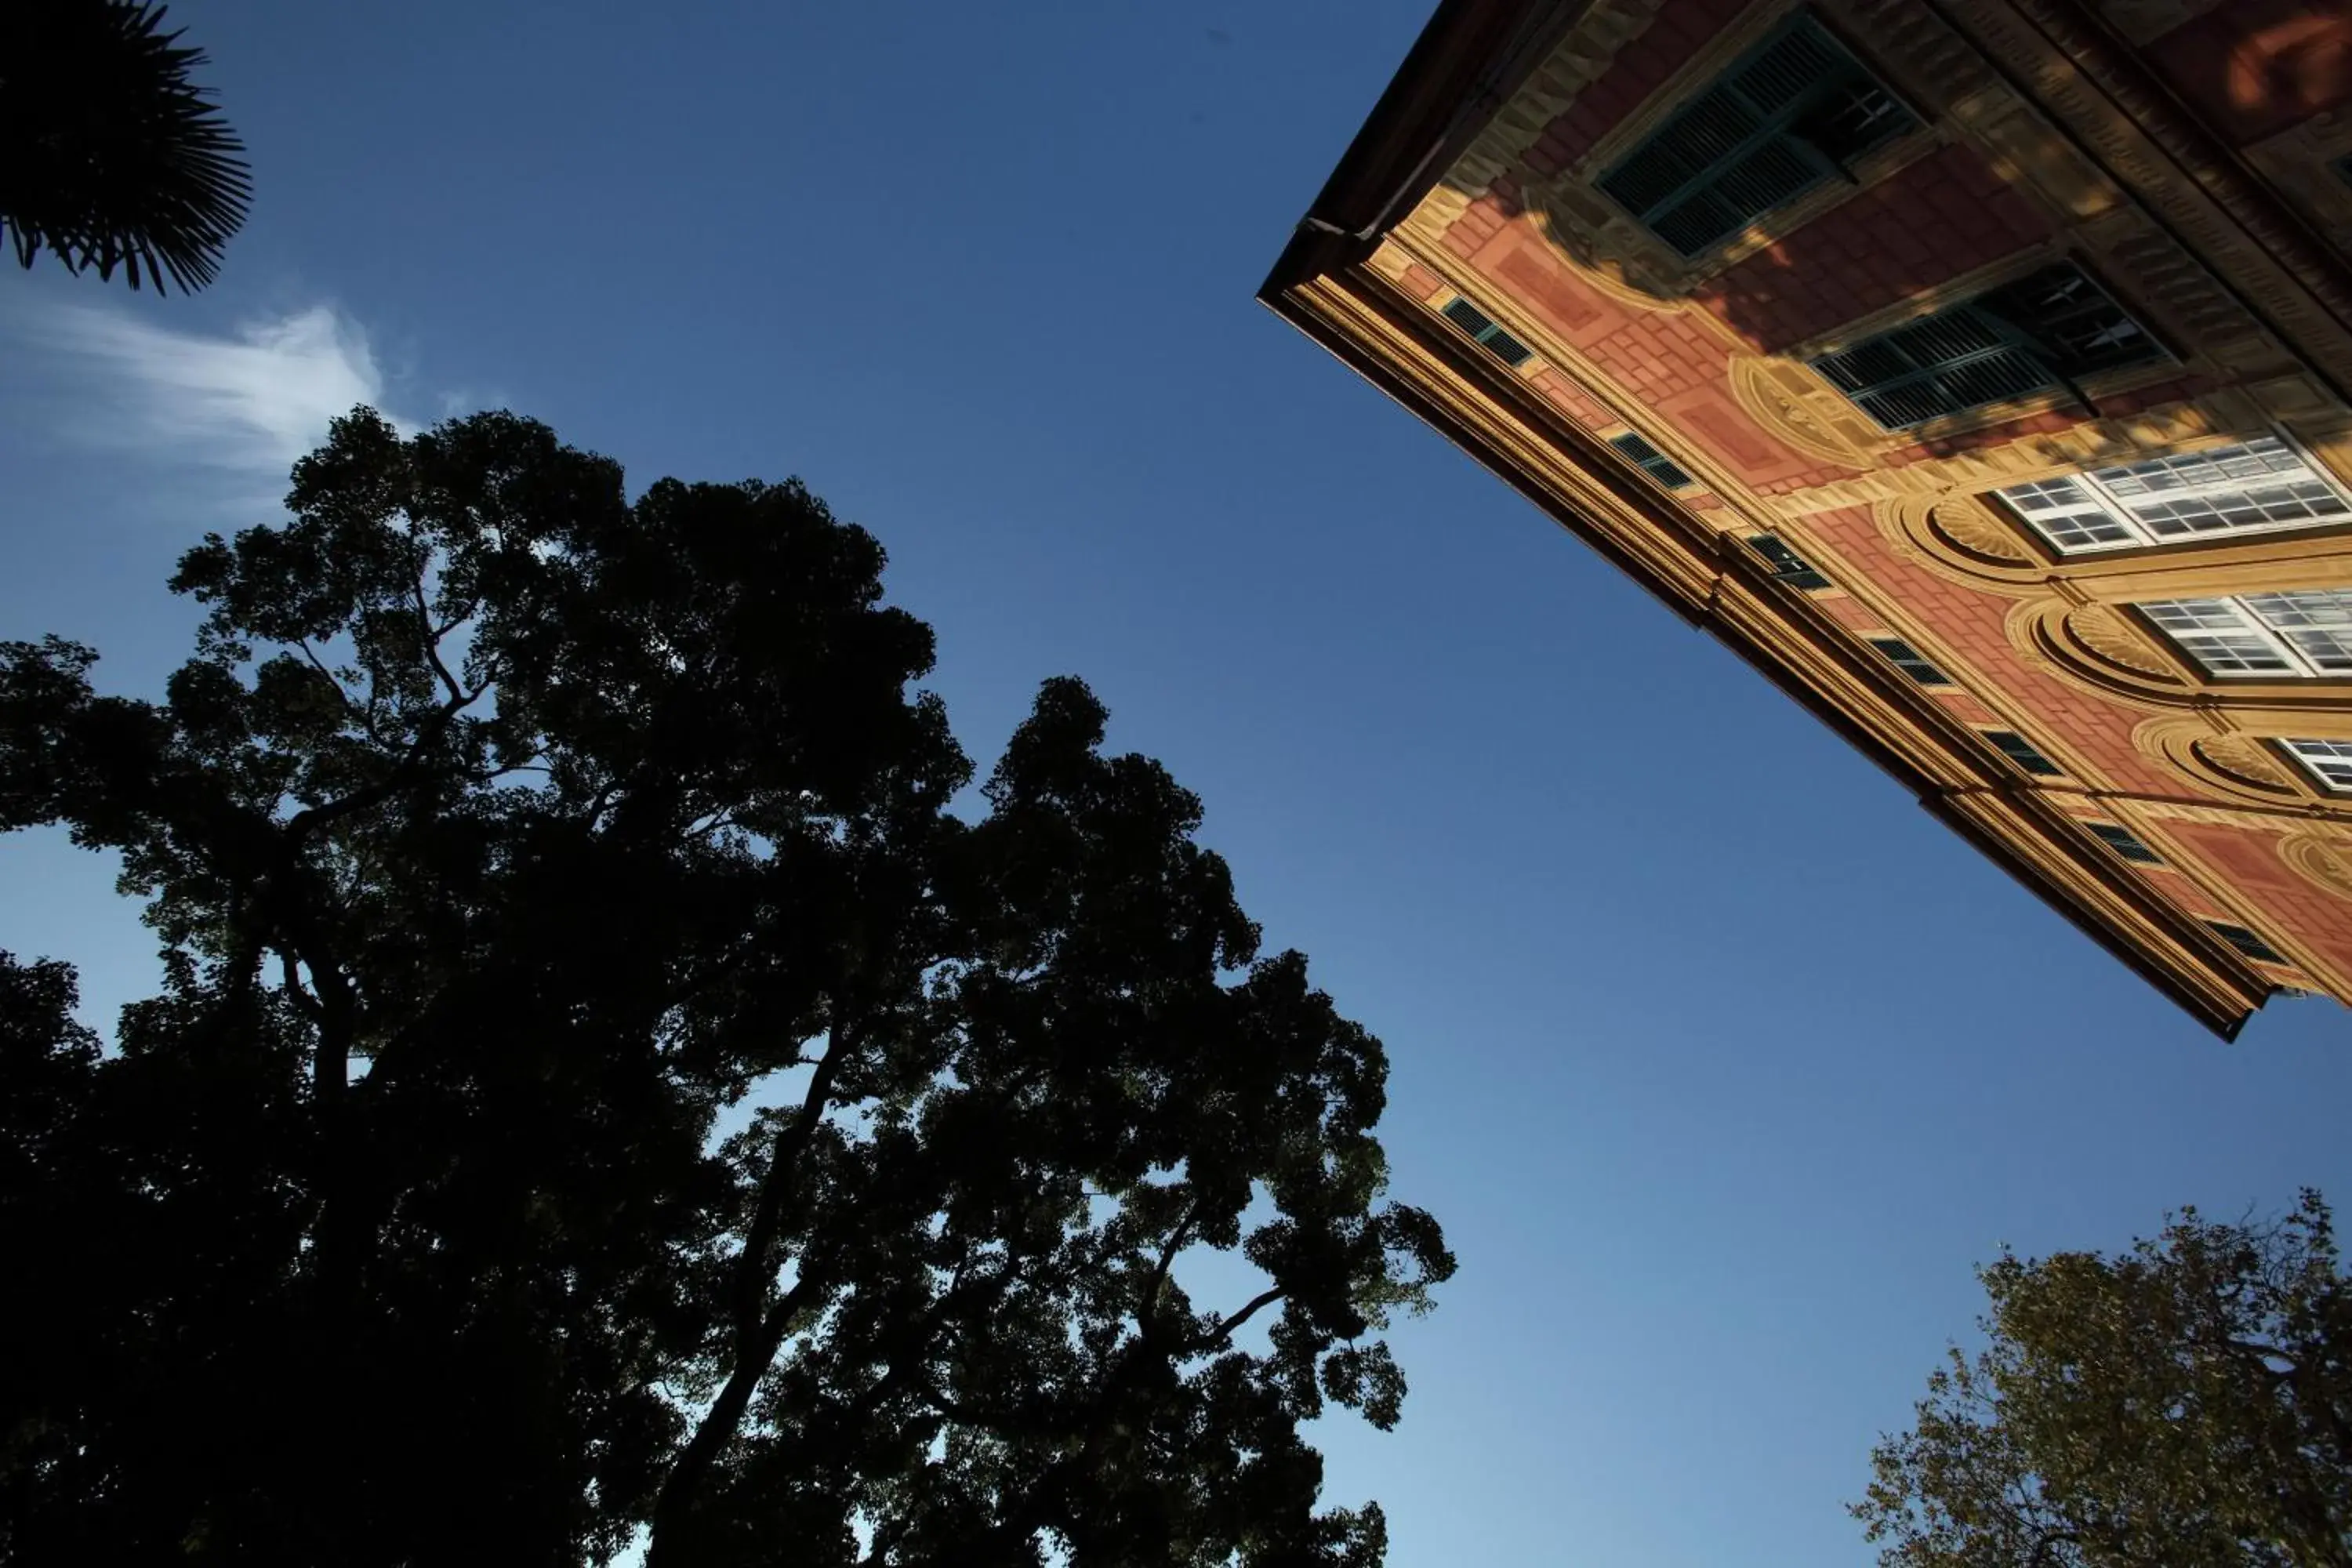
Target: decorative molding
[[1500, 148], [2144, 21], [1615, 255], [2026, 149], [2246, 817], [1971, 527], [2102, 648], [1792, 400], [1928, 62], [1960, 539], [2120, 125], [1391, 260], [2325, 862], [2119, 645], [1966, 537], [2098, 650], [2232, 766], [2298, 162], [2183, 301]]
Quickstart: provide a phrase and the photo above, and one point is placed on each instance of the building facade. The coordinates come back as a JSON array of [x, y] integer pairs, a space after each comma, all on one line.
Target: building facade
[[1979, 370]]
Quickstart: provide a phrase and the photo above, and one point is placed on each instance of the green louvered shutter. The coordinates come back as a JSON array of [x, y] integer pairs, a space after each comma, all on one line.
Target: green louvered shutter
[[2041, 332], [1481, 326], [1654, 463], [1793, 112]]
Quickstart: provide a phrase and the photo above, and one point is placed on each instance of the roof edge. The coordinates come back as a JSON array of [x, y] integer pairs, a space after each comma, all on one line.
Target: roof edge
[[1470, 58]]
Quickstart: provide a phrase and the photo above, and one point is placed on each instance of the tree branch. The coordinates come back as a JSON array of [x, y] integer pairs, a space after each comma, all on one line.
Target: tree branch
[[754, 1272], [1146, 1312], [431, 640], [1225, 1327], [760, 1328], [2048, 1539], [682, 1488], [341, 695], [306, 1004]]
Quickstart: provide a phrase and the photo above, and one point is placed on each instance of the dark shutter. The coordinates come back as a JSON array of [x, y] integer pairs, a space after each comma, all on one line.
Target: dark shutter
[[1654, 463], [2039, 332], [1789, 114]]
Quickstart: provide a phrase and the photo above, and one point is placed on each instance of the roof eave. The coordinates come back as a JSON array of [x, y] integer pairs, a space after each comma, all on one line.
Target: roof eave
[[1468, 61]]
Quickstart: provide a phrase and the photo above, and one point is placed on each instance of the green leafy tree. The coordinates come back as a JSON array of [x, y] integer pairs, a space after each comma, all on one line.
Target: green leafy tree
[[2186, 1405], [602, 1092], [109, 156]]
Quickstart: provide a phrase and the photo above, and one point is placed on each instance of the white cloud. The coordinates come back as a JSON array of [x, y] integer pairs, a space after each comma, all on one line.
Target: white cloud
[[251, 402]]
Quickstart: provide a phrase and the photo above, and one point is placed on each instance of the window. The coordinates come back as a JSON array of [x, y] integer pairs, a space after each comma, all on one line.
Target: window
[[2040, 332], [2257, 488], [2124, 843], [2303, 634], [1476, 323], [1908, 659], [2330, 762], [1788, 567], [1793, 112], [2018, 749], [1654, 463], [2246, 941]]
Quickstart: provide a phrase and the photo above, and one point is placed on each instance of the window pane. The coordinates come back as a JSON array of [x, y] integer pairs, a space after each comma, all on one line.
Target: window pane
[[2331, 761], [2317, 621], [2257, 486], [2078, 329], [2218, 635], [2262, 484], [2066, 513], [1850, 119]]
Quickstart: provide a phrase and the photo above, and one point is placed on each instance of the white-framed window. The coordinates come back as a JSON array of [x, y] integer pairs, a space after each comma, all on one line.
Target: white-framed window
[[2301, 634], [2330, 762], [2261, 486]]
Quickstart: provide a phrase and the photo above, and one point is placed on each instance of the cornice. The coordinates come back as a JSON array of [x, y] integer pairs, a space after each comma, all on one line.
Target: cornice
[[1713, 581]]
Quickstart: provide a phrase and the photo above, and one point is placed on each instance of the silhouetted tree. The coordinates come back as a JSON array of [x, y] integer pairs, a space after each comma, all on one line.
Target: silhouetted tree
[[601, 1086], [2187, 1405], [108, 155]]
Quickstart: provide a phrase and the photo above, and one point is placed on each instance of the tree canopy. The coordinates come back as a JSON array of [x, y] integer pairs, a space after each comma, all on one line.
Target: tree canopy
[[109, 156], [606, 1090], [2185, 1405]]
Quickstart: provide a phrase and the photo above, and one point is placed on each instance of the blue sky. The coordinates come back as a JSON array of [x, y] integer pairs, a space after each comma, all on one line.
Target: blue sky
[[1719, 1059]]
